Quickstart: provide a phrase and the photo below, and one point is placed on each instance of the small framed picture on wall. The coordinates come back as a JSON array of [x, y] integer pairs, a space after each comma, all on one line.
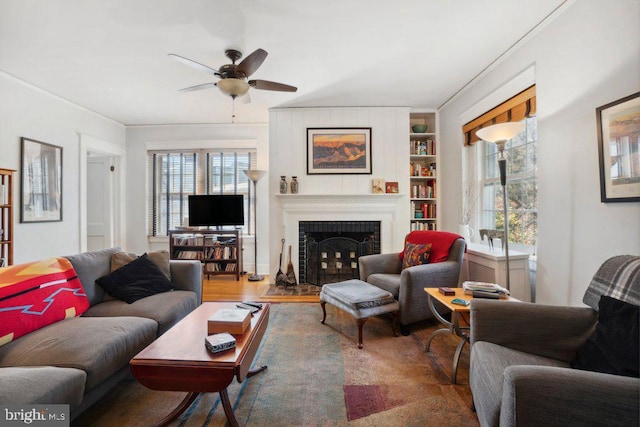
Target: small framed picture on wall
[[41, 192], [619, 149]]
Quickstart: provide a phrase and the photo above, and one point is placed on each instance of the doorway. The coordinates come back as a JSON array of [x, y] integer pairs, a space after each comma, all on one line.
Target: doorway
[[102, 222], [100, 202]]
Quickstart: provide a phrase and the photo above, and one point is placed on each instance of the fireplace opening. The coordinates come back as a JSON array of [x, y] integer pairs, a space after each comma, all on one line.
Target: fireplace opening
[[329, 250]]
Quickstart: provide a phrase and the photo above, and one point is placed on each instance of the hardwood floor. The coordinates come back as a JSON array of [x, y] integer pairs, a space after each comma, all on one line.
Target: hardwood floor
[[227, 288]]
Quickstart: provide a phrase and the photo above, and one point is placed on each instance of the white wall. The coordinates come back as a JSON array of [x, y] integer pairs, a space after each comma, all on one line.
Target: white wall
[[188, 136], [587, 57], [26, 111], [288, 153]]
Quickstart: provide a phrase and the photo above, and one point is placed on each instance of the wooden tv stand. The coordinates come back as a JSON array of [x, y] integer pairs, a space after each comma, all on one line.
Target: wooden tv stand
[[220, 251]]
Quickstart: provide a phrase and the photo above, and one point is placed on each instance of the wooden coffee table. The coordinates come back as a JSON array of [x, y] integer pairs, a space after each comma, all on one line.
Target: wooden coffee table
[[179, 361], [459, 324]]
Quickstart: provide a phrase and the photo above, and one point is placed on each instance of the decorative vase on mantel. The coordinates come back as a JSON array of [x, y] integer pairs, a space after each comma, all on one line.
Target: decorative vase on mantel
[[294, 185], [283, 185], [466, 231]]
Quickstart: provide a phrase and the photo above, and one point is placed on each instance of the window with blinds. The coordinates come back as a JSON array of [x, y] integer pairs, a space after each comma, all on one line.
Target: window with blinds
[[514, 109], [174, 175], [522, 188]]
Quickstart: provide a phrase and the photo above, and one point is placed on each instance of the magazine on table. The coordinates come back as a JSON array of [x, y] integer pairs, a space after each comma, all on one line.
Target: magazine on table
[[491, 288]]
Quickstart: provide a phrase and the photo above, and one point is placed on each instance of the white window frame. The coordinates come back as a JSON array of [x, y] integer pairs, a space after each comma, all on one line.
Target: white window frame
[[486, 220], [228, 146]]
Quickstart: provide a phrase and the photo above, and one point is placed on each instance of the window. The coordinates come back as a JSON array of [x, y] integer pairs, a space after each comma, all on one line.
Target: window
[[175, 175], [522, 188]]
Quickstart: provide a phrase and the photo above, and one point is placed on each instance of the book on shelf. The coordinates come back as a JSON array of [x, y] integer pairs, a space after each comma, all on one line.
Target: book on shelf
[[180, 254], [423, 191], [422, 170], [420, 226], [211, 267], [423, 147], [232, 320], [188, 240]]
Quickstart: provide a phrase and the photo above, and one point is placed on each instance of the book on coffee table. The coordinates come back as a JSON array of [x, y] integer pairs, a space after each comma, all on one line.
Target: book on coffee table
[[220, 342], [232, 320]]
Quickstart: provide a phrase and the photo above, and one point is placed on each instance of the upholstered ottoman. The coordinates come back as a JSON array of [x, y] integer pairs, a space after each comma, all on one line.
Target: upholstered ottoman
[[361, 300]]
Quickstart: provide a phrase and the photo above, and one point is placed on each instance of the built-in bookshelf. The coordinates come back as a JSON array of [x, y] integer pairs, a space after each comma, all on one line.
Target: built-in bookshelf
[[423, 162], [6, 217], [220, 251]]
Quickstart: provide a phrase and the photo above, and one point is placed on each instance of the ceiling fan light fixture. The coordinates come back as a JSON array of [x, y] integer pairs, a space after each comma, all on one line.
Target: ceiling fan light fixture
[[233, 87]]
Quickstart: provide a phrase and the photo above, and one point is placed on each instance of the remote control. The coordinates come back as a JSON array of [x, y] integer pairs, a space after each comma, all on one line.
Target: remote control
[[251, 308], [257, 305]]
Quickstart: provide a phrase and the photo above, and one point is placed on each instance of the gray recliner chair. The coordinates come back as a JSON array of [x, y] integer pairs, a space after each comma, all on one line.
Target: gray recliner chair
[[407, 286], [522, 353]]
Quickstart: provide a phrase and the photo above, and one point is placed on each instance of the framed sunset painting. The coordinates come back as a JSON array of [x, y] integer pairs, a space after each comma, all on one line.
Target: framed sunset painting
[[338, 151]]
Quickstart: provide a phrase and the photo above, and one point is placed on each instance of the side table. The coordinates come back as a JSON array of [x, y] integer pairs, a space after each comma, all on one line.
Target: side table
[[459, 323]]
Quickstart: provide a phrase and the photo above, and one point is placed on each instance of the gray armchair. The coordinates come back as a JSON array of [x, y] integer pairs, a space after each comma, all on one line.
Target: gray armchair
[[407, 286], [521, 355]]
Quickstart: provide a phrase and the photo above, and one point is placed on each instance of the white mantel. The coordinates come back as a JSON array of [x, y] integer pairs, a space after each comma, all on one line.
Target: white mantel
[[342, 207]]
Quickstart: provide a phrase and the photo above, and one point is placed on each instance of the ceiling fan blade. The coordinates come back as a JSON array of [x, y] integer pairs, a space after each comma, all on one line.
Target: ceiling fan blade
[[198, 87], [194, 64], [251, 63], [267, 85]]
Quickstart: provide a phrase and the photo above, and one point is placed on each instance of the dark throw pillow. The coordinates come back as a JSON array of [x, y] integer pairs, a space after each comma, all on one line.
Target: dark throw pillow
[[614, 347], [138, 279], [416, 254]]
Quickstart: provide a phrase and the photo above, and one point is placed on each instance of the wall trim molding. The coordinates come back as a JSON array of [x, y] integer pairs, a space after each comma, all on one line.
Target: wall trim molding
[[512, 49], [38, 89]]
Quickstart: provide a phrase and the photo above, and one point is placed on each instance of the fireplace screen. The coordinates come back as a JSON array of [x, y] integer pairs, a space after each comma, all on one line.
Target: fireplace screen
[[329, 251]]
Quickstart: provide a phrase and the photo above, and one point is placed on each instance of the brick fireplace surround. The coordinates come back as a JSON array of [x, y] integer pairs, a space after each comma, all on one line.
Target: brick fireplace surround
[[381, 208], [329, 250]]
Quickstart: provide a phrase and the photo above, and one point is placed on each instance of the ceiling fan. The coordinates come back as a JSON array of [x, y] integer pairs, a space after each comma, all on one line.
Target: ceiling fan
[[233, 77]]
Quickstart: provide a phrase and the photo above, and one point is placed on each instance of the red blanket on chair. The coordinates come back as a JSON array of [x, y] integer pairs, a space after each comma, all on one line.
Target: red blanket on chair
[[441, 242]]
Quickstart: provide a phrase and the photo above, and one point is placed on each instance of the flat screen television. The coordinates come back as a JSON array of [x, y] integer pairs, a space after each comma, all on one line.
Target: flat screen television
[[216, 210]]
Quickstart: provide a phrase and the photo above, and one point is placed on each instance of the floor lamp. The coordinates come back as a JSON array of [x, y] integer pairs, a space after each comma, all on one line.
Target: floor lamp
[[499, 134], [255, 175]]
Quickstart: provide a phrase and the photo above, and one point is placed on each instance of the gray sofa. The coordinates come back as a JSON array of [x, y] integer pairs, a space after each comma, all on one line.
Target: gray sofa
[[77, 360], [407, 286], [522, 353]]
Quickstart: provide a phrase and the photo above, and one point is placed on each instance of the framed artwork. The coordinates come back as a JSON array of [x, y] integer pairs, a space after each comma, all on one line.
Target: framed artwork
[[41, 184], [392, 187], [619, 149], [378, 185], [338, 151]]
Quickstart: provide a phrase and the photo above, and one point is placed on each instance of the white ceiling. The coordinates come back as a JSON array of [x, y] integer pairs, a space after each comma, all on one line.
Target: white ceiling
[[110, 56]]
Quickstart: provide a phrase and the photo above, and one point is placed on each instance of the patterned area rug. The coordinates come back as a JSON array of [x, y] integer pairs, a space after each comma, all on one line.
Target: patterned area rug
[[302, 289], [316, 376]]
